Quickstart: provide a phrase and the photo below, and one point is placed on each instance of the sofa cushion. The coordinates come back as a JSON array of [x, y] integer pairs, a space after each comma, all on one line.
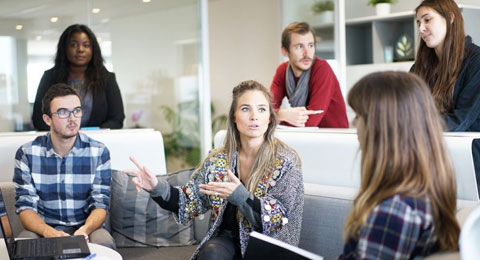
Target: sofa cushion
[[322, 225], [137, 220], [155, 253]]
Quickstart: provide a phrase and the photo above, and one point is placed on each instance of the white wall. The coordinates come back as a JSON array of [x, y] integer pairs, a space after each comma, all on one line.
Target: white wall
[[244, 44]]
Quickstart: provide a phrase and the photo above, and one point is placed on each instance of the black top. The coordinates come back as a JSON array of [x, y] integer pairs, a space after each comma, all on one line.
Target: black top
[[107, 108], [465, 115], [466, 96], [229, 221]]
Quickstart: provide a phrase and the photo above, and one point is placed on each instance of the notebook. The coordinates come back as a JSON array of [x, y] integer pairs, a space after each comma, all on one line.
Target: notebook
[[261, 246], [40, 248]]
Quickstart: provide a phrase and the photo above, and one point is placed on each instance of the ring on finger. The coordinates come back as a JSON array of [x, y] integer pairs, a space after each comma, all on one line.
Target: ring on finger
[[215, 194]]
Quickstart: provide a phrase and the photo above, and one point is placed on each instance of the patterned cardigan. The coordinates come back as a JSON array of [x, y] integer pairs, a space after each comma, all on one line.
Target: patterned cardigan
[[280, 192]]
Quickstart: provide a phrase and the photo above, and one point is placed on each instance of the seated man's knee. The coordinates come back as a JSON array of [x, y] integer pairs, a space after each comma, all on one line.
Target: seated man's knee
[[102, 237]]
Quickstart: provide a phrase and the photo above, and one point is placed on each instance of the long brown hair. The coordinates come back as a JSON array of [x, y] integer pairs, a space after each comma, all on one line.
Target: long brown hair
[[442, 74], [403, 151]]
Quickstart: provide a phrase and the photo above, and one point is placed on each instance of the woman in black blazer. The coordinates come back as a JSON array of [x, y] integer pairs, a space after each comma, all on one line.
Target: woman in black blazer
[[79, 63]]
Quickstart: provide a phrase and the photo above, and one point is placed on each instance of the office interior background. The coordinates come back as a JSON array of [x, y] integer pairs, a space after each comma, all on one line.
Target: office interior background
[[177, 60]]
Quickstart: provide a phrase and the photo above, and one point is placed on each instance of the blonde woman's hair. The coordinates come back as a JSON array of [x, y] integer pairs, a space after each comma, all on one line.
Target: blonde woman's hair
[[403, 151], [268, 150]]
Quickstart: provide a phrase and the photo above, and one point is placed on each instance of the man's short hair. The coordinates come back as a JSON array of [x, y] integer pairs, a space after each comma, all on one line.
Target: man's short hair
[[56, 90], [295, 27]]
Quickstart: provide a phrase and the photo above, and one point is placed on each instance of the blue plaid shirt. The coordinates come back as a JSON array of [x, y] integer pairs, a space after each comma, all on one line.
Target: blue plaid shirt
[[398, 228], [63, 191]]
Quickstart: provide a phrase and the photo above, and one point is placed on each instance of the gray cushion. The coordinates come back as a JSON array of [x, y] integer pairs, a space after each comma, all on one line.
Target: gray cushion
[[137, 220], [322, 225], [157, 253], [8, 193]]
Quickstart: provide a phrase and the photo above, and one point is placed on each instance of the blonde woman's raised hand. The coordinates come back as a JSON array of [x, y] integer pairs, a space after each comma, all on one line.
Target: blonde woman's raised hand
[[221, 189], [143, 179]]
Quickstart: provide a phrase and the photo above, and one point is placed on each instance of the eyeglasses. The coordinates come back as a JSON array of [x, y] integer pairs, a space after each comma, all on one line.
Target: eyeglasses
[[63, 113]]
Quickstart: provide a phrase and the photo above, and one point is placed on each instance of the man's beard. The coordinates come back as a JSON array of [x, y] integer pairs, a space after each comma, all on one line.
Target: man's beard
[[64, 136], [300, 68]]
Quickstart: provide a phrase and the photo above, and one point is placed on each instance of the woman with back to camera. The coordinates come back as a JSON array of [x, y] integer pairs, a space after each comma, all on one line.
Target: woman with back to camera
[[406, 205], [79, 63], [253, 183], [450, 64]]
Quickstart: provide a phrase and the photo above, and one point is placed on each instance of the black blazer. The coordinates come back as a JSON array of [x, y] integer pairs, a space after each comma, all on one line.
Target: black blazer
[[107, 107]]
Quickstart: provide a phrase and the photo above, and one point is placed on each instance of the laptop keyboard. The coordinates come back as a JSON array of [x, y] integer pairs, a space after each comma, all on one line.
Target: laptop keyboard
[[37, 247]]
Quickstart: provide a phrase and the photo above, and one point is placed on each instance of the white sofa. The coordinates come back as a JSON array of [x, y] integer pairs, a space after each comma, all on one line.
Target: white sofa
[[331, 173], [144, 144], [330, 167]]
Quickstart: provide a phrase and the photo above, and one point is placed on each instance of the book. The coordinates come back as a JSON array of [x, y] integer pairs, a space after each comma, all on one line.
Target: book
[[261, 246]]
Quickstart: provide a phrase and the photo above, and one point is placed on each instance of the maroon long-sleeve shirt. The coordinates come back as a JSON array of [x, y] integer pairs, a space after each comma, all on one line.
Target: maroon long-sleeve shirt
[[323, 94]]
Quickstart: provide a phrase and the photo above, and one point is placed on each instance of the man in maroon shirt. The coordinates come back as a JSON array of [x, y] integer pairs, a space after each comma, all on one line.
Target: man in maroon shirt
[[308, 82]]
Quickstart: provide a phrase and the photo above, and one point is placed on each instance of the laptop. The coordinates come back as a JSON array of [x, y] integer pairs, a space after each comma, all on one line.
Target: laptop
[[40, 248]]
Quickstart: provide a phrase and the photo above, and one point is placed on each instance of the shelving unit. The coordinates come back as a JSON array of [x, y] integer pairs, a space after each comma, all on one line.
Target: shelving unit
[[368, 37], [325, 46], [359, 48]]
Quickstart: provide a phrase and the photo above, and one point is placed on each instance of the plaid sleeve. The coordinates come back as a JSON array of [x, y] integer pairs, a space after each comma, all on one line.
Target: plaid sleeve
[[100, 192], [391, 231], [25, 193]]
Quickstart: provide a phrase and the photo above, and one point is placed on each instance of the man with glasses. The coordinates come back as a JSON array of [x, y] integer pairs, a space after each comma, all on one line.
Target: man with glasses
[[62, 179], [308, 82]]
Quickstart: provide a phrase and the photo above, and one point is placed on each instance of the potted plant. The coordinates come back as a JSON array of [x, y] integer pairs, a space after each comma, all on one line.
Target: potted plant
[[324, 9], [382, 7], [182, 143]]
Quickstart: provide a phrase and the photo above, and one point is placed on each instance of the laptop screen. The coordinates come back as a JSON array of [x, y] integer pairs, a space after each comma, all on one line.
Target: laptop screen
[[5, 224]]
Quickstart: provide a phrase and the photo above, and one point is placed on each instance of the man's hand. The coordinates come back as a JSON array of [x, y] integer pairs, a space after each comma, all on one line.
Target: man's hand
[[33, 222], [296, 116], [51, 232], [82, 231]]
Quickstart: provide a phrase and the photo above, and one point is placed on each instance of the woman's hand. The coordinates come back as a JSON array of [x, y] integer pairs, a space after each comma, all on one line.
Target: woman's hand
[[144, 178], [221, 189]]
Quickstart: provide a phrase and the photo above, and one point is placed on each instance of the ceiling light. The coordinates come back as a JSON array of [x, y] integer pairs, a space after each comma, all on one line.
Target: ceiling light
[[54, 19], [146, 1], [19, 27], [38, 37], [96, 10]]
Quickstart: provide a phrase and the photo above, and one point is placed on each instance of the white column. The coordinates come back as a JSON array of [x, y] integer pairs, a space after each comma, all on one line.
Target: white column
[[204, 83], [340, 45]]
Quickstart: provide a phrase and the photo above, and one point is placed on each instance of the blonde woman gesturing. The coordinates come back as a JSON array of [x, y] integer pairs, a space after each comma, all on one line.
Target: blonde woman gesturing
[[253, 183]]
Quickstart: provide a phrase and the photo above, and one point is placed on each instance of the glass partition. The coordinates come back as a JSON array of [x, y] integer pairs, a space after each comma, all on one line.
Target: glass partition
[[152, 46]]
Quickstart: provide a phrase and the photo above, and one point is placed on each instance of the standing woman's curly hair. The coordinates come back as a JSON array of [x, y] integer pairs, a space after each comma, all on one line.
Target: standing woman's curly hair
[[96, 71], [441, 74]]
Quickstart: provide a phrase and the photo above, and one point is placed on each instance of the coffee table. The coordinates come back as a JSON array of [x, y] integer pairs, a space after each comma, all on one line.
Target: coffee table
[[103, 252]]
